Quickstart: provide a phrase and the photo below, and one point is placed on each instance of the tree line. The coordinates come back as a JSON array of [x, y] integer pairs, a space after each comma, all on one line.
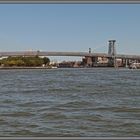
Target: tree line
[[25, 61]]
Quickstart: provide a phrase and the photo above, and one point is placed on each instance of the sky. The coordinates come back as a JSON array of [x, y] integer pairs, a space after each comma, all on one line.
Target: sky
[[70, 27]]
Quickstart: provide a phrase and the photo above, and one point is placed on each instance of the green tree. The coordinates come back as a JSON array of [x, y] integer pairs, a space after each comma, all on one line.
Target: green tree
[[24, 61], [46, 61]]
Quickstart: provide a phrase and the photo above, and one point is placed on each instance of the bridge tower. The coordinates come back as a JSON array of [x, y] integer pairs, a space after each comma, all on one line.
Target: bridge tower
[[89, 50], [111, 48], [112, 52]]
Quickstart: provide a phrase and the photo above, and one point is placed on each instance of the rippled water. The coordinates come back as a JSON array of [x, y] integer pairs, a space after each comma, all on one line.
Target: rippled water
[[70, 102]]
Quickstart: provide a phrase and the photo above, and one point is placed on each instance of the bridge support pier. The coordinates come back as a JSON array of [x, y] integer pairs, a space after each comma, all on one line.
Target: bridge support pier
[[115, 63], [87, 61], [123, 62], [126, 63], [110, 62], [94, 61]]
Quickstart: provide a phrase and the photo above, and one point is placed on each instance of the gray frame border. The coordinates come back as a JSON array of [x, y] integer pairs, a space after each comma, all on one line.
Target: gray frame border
[[70, 138], [69, 2]]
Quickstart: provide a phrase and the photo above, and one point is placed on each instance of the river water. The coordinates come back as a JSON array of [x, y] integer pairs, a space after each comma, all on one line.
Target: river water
[[90, 102]]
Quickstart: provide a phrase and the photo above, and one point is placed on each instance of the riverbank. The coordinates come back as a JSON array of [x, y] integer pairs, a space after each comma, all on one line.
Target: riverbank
[[27, 67]]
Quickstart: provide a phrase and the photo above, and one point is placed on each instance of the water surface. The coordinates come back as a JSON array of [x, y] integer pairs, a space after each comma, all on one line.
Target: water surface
[[90, 102]]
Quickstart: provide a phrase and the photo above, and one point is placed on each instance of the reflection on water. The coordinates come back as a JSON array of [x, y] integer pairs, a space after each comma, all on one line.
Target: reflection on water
[[70, 102]]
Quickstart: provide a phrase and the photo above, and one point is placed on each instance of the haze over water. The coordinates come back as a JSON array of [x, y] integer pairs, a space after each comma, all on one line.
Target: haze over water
[[70, 102]]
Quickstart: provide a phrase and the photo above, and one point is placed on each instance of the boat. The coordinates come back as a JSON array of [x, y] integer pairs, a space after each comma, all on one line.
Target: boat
[[135, 66], [54, 67]]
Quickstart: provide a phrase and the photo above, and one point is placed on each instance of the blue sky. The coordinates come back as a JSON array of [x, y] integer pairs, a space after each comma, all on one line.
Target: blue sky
[[70, 27]]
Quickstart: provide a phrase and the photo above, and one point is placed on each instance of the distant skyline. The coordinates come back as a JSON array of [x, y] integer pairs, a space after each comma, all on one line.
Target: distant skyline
[[70, 27]]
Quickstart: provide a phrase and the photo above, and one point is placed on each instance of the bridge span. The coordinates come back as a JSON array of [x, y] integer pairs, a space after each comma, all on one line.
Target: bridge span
[[44, 53], [78, 54]]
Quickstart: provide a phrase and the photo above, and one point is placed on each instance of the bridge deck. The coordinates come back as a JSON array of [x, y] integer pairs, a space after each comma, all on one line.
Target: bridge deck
[[79, 54]]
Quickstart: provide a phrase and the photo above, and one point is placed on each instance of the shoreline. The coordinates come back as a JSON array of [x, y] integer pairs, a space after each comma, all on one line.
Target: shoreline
[[25, 68], [9, 68]]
